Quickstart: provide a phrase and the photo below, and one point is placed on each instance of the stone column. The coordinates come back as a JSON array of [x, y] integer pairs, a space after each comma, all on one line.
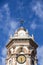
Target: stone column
[[14, 61], [28, 60]]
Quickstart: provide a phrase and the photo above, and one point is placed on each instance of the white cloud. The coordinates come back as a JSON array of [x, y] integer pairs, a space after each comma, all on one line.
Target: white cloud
[[13, 25], [6, 8], [20, 5], [0, 61], [4, 51], [10, 27], [5, 12], [33, 25], [3, 57], [9, 24], [38, 9], [40, 55], [1, 16], [3, 61]]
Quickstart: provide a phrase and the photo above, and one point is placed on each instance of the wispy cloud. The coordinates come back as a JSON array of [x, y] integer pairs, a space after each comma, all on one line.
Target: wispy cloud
[[1, 16], [20, 5], [4, 13], [9, 24], [40, 55], [3, 57], [4, 50], [12, 25], [20, 8], [33, 25], [3, 61], [6, 8], [38, 9]]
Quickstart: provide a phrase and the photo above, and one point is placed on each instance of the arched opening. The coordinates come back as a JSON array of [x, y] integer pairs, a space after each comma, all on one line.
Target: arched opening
[[21, 49]]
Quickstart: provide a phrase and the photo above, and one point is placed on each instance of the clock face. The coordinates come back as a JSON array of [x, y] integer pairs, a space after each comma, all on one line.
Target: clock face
[[21, 33], [21, 58]]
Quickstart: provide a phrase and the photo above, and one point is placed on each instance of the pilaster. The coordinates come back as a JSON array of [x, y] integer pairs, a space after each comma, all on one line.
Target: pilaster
[[28, 60]]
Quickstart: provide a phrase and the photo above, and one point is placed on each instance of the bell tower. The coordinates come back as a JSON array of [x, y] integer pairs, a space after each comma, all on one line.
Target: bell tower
[[21, 49]]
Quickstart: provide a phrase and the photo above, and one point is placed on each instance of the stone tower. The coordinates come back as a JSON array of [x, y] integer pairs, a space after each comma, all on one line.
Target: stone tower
[[21, 49]]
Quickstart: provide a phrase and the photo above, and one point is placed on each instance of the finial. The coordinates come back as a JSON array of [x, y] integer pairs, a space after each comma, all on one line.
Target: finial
[[32, 36], [21, 22]]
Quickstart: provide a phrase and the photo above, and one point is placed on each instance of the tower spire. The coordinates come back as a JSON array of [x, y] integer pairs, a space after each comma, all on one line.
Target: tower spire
[[21, 22]]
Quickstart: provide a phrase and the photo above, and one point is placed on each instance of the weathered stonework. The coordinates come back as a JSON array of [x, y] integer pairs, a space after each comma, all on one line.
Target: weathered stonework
[[21, 43]]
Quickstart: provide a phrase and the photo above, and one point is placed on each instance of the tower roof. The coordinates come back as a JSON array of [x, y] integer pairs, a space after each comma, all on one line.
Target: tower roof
[[22, 34], [21, 28]]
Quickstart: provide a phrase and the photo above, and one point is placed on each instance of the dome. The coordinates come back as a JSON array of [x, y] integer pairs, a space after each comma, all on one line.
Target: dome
[[21, 33], [21, 28]]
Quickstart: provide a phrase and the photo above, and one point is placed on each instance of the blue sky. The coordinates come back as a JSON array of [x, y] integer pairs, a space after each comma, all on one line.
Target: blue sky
[[11, 13]]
